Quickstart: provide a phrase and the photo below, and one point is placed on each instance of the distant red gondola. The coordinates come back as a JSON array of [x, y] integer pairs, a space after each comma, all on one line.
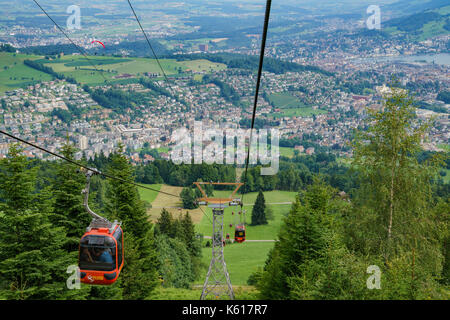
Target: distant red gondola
[[239, 233]]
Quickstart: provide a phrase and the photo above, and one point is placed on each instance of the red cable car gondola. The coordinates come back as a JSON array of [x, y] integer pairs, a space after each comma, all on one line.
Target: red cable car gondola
[[239, 233], [101, 249]]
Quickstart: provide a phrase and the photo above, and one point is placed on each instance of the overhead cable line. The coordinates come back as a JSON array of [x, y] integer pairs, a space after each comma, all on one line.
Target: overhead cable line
[[82, 165], [76, 46], [160, 66], [148, 41], [106, 80], [92, 169], [258, 81]]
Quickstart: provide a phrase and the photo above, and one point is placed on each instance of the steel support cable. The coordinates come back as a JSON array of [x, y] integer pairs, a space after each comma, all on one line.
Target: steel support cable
[[160, 66], [258, 81], [82, 165], [148, 41], [70, 160], [76, 46]]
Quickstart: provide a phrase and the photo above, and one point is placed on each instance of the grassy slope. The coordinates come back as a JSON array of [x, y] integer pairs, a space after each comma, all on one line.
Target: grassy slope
[[260, 232], [291, 106], [242, 259], [86, 73], [149, 195], [171, 203], [16, 69], [429, 29], [240, 293]]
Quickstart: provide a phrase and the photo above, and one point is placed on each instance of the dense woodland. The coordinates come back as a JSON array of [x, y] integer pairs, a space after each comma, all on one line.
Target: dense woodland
[[394, 214]]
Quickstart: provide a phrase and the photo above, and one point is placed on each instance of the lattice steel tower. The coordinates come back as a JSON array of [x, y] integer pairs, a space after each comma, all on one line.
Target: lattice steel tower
[[217, 282]]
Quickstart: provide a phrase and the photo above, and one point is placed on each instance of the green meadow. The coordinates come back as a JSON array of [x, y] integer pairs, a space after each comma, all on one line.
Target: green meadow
[[300, 112], [93, 69], [261, 232], [112, 68], [242, 259], [14, 74], [287, 152], [291, 106], [285, 100], [149, 195]]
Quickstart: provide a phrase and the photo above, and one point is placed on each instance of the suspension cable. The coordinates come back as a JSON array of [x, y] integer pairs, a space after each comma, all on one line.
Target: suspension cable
[[258, 81], [261, 59], [76, 46], [148, 41], [82, 165]]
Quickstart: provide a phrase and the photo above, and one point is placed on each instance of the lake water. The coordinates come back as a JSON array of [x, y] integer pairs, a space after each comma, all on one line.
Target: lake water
[[440, 58]]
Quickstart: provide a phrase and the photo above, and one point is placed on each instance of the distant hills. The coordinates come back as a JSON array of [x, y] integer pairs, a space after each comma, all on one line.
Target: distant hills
[[409, 7], [421, 25]]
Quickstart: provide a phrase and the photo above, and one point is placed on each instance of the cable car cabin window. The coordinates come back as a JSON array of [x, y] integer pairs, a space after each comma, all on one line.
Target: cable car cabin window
[[118, 236], [97, 253]]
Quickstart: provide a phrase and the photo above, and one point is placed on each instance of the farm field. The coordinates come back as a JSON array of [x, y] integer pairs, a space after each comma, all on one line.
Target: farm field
[[171, 204], [113, 68], [284, 100], [202, 65], [14, 74], [291, 106]]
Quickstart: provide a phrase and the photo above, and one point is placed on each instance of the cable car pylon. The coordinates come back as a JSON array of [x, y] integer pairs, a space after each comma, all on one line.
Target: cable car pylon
[[217, 283]]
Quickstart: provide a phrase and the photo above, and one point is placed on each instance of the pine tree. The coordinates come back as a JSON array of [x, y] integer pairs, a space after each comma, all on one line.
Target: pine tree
[[33, 262], [124, 204], [188, 235], [165, 224], [175, 262], [300, 240], [259, 210], [69, 211], [192, 243], [188, 198]]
